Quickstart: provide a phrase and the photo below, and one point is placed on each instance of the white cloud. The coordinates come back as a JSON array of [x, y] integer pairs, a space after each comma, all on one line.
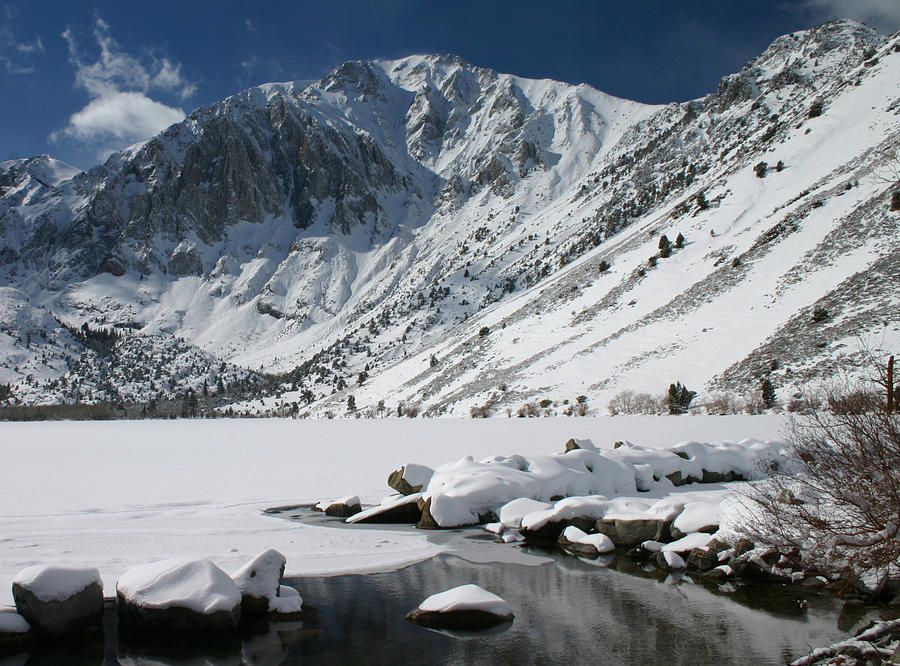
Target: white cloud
[[121, 110], [883, 15], [118, 119]]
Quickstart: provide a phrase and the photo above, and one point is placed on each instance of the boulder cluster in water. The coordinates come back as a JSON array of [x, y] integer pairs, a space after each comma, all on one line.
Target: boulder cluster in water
[[663, 509], [157, 602]]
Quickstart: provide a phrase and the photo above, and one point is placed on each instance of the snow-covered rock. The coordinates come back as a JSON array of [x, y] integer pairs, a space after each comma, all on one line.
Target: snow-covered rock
[[578, 542], [15, 632], [394, 509], [512, 513], [59, 600], [463, 493], [340, 508], [410, 478], [288, 604], [671, 559], [688, 542], [701, 515], [259, 582], [180, 595], [465, 607]]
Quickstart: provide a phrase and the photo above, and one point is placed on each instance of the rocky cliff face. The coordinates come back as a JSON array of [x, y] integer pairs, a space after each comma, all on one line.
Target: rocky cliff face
[[351, 230]]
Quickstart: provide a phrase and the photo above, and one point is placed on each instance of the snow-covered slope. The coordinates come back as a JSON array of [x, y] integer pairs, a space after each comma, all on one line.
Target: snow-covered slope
[[434, 234]]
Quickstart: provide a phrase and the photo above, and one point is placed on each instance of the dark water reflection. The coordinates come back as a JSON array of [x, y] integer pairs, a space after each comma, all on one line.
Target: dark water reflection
[[567, 612]]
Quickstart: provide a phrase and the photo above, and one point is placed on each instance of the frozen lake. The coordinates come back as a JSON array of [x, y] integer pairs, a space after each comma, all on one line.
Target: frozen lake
[[116, 494]]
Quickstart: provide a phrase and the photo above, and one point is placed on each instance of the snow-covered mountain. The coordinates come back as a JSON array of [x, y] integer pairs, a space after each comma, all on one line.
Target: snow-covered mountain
[[429, 233]]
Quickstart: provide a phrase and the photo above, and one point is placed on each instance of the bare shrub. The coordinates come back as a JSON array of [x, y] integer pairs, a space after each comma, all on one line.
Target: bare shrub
[[529, 410], [854, 402], [804, 403], [839, 502], [480, 411], [629, 402], [411, 411], [754, 402], [724, 403]]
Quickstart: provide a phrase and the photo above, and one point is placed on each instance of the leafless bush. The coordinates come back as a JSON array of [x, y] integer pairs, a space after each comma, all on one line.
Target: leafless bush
[[529, 410], [754, 403], [724, 403], [629, 402], [804, 403], [840, 502], [481, 411], [854, 402], [411, 411]]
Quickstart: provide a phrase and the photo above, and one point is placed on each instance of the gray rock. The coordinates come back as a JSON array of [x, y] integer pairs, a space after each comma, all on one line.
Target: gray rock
[[464, 620], [175, 618], [702, 559], [814, 582], [634, 532], [743, 545], [747, 569], [716, 574], [59, 600]]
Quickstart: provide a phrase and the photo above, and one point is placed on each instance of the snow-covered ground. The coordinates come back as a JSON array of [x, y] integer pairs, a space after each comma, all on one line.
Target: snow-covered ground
[[116, 494]]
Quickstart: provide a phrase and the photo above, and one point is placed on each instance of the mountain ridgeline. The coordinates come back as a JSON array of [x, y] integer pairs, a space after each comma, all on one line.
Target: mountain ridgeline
[[428, 236]]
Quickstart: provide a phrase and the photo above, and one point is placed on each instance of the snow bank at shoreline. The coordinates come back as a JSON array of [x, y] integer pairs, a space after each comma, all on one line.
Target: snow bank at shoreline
[[113, 495]]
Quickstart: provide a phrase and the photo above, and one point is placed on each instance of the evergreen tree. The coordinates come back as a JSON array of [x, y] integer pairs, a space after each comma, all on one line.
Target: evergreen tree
[[768, 393], [351, 403], [679, 398], [679, 241]]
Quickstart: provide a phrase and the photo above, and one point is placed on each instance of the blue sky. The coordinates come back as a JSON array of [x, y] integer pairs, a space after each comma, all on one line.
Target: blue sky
[[81, 80]]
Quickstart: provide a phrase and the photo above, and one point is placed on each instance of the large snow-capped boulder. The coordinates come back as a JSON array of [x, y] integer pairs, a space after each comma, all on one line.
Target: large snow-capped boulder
[[463, 492], [16, 633], [178, 595], [59, 600], [465, 607]]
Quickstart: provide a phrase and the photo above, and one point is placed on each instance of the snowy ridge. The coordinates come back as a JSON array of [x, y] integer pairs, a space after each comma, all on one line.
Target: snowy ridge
[[357, 234]]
